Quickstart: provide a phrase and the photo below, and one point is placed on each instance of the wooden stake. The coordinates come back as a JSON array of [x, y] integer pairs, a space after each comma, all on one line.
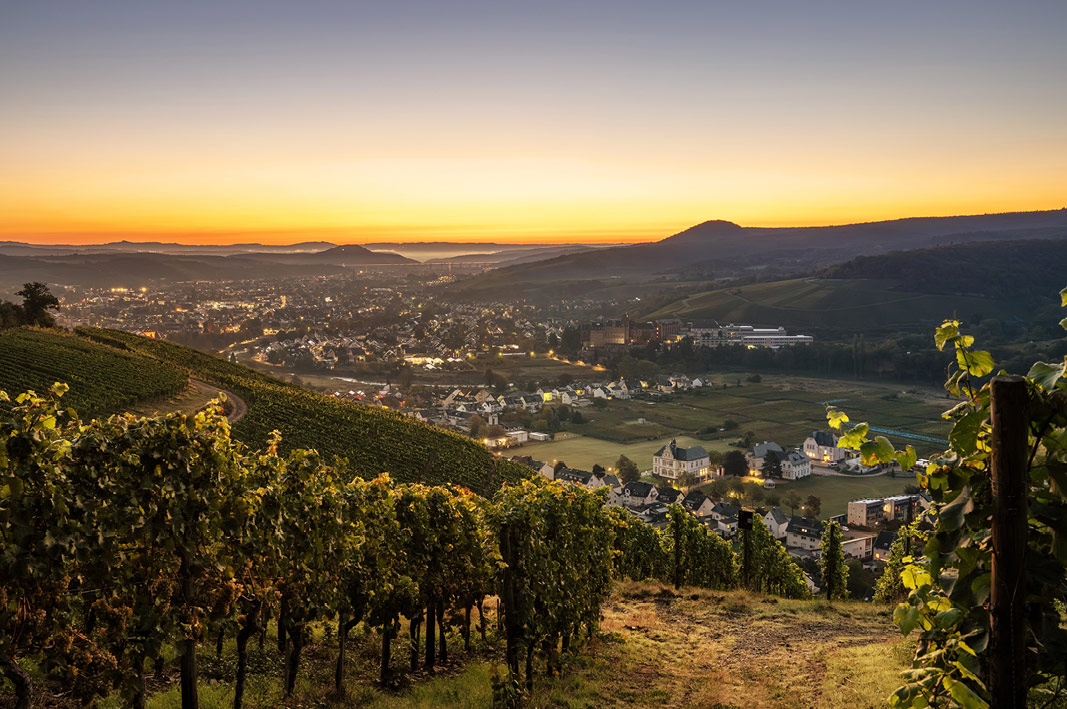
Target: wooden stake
[[1007, 648]]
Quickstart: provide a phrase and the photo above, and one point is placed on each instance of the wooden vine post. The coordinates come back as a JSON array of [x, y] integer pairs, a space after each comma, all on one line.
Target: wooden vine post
[[1007, 648]]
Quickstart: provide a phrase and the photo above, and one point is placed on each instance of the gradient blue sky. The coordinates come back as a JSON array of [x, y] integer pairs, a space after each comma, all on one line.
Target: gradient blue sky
[[519, 121]]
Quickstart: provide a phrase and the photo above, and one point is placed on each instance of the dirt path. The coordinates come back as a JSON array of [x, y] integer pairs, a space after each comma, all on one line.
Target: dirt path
[[237, 404], [731, 649]]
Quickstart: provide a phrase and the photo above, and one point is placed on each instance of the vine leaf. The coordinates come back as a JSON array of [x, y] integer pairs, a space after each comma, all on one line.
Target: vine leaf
[[964, 435], [964, 695], [1046, 375], [977, 363], [953, 513]]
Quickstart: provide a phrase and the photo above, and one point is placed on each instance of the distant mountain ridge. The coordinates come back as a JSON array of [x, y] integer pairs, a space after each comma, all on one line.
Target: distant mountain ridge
[[722, 249]]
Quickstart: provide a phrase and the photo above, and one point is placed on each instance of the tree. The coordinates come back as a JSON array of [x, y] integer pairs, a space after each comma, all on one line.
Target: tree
[[477, 426], [627, 469], [812, 506], [734, 463], [792, 501], [577, 418], [10, 315], [599, 470], [889, 587], [772, 465], [832, 562], [37, 300], [773, 499]]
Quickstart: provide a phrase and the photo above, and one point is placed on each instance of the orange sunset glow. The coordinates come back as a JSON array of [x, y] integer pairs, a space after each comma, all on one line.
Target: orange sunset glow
[[223, 124]]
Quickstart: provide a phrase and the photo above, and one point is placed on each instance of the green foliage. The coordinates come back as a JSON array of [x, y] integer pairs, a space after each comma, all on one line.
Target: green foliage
[[555, 542], [734, 463], [832, 562], [37, 300], [772, 568], [772, 465], [948, 588], [638, 548], [626, 469], [890, 587], [706, 559]]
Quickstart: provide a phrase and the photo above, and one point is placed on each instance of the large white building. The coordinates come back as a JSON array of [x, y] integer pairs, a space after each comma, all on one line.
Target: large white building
[[673, 463], [708, 333], [795, 465], [821, 447]]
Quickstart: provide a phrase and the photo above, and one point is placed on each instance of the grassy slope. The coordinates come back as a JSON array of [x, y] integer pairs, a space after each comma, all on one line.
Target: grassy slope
[[102, 379], [656, 648]]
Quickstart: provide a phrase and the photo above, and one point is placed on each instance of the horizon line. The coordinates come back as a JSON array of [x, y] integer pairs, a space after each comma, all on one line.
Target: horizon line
[[393, 235]]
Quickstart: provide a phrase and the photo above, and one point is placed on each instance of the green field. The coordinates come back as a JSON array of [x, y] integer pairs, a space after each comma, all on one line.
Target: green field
[[854, 305], [836, 492], [782, 409], [584, 452]]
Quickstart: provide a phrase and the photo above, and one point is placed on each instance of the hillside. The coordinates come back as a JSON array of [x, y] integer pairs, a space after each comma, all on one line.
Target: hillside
[[108, 270], [907, 290], [113, 268], [721, 249], [102, 379], [111, 371]]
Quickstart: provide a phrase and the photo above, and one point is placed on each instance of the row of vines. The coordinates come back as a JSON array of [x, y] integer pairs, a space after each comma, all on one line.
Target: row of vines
[[105, 380], [126, 536]]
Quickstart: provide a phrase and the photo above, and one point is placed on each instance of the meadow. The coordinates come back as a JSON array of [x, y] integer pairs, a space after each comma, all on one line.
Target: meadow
[[778, 408], [583, 452]]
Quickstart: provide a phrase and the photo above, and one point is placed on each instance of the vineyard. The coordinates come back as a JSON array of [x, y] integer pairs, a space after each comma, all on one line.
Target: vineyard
[[373, 440], [126, 536], [103, 380]]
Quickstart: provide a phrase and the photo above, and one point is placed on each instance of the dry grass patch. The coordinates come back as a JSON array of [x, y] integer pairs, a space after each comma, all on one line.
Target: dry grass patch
[[721, 649]]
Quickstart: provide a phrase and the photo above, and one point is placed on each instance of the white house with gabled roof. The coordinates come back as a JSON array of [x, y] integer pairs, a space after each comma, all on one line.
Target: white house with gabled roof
[[672, 462]]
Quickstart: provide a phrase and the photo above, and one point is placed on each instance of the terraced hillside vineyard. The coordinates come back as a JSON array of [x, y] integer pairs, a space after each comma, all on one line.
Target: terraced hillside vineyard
[[102, 379]]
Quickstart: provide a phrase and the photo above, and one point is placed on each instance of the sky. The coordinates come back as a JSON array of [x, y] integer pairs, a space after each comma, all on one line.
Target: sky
[[610, 121]]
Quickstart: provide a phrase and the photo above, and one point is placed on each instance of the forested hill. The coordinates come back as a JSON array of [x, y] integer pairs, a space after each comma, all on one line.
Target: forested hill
[[722, 249], [1025, 271], [110, 371]]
